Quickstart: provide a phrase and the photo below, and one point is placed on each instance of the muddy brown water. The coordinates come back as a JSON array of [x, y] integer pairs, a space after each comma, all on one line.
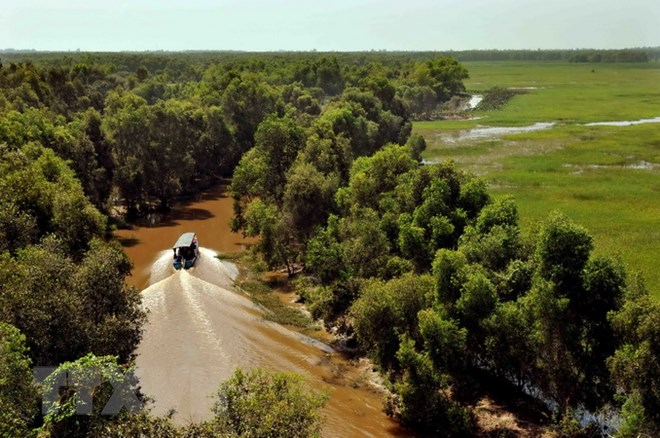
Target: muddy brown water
[[200, 329]]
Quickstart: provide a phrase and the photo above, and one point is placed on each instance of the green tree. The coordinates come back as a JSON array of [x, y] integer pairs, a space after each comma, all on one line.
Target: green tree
[[167, 159], [97, 385], [444, 341], [374, 176], [328, 75], [276, 241], [423, 401], [385, 311], [257, 404], [421, 101], [246, 101], [51, 201], [443, 74], [323, 253], [308, 198], [508, 344], [68, 309], [563, 249], [216, 153], [126, 125], [493, 240], [18, 393], [103, 174], [634, 367], [569, 302], [364, 243], [279, 140]]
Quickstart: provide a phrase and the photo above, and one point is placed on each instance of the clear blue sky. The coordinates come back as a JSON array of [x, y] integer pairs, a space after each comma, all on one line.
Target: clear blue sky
[[257, 25]]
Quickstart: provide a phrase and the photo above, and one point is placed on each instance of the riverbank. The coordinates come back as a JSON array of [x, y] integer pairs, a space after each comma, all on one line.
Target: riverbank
[[498, 407]]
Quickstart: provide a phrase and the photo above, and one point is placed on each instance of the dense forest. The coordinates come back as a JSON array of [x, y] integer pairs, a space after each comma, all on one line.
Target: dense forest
[[414, 265]]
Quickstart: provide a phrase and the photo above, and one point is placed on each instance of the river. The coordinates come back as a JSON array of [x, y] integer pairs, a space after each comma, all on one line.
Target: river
[[199, 329]]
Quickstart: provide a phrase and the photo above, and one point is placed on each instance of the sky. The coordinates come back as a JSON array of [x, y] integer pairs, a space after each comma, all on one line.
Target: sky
[[339, 25]]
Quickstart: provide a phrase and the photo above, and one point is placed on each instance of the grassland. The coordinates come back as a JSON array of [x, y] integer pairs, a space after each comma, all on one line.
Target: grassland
[[605, 178]]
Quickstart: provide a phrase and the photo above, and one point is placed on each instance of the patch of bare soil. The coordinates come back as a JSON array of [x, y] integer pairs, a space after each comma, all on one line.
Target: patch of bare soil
[[498, 420]]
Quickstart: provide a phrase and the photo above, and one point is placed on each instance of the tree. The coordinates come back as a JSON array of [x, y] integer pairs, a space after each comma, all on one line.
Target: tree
[[279, 140], [68, 309], [323, 253], [385, 311], [444, 341], [126, 125], [508, 344], [265, 220], [443, 74], [372, 177], [97, 385], [634, 367], [167, 158], [103, 175], [328, 75], [423, 400], [18, 393], [258, 404], [563, 249], [493, 240], [51, 201], [421, 101], [308, 198], [216, 151], [246, 101], [365, 246], [569, 302]]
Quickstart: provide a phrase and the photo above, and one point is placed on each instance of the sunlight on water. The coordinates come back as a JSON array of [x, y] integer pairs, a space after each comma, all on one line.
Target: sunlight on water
[[625, 122]]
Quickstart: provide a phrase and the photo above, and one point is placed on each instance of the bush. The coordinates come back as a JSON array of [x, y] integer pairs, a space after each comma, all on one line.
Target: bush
[[496, 98], [257, 404]]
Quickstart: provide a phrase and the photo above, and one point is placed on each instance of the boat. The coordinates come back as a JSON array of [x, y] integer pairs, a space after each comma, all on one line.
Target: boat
[[186, 251]]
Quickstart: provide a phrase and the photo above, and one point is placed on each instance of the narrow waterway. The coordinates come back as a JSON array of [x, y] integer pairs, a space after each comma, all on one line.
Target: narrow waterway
[[200, 329]]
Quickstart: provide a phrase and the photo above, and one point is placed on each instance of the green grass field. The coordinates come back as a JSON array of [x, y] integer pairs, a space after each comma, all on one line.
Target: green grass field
[[605, 178]]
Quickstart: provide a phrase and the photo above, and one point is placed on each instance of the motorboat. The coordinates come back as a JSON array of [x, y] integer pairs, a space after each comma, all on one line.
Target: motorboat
[[186, 251]]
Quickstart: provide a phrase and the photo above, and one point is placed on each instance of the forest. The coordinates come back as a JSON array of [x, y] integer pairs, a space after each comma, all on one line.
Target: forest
[[415, 265]]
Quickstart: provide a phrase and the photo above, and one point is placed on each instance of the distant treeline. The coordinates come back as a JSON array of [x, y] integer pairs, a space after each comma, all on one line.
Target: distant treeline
[[579, 55], [180, 61]]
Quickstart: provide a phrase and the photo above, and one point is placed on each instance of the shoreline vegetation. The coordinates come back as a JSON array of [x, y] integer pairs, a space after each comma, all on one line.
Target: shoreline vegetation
[[497, 405], [453, 290]]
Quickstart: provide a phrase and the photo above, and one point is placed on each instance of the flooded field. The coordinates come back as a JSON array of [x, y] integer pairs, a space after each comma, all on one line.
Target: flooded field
[[200, 329], [581, 139], [489, 132], [625, 122]]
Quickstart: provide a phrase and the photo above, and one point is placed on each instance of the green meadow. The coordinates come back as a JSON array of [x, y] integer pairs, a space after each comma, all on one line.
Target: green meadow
[[606, 178]]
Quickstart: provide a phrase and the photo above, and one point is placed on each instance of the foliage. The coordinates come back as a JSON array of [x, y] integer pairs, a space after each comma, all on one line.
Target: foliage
[[68, 309], [18, 393], [49, 201], [98, 386], [496, 98], [634, 365], [387, 310], [257, 403], [424, 400]]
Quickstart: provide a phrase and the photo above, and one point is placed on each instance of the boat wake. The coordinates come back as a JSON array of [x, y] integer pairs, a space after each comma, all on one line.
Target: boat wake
[[199, 331]]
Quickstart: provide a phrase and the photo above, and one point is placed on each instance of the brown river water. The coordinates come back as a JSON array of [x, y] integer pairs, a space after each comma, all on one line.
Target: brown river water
[[200, 329]]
